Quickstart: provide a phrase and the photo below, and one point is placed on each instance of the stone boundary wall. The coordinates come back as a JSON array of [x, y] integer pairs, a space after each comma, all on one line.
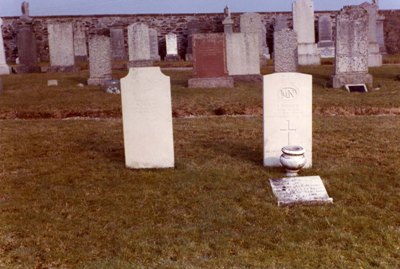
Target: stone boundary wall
[[176, 23]]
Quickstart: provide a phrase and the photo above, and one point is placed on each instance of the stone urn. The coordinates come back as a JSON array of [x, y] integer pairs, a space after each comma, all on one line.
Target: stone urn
[[293, 159]]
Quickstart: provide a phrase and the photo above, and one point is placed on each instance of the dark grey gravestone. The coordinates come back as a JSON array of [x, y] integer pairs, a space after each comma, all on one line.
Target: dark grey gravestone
[[194, 27], [27, 50], [118, 44]]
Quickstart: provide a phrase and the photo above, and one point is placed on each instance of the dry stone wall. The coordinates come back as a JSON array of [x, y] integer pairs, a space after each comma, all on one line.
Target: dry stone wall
[[175, 23]]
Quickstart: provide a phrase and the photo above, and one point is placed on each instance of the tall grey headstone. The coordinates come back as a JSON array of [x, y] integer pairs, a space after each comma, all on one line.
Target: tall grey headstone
[[380, 35], [326, 45], [303, 24], [153, 37], [252, 23], [139, 45], [374, 56], [4, 68], [193, 28], [61, 47], [287, 115], [171, 42], [100, 58], [242, 55], [285, 51], [80, 45], [118, 44], [351, 61], [147, 119]]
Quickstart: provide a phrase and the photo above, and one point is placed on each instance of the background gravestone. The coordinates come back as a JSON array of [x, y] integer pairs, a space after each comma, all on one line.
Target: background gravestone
[[280, 23], [100, 57], [351, 61], [171, 42], [61, 47], [139, 45], [80, 46], [227, 22], [209, 62], [193, 28], [287, 115], [4, 68], [380, 34], [147, 119], [153, 38], [374, 56], [303, 24], [326, 45], [285, 51], [118, 44]]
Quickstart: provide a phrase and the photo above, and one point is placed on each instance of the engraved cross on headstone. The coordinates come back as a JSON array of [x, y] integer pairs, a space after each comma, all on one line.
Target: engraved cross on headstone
[[288, 130]]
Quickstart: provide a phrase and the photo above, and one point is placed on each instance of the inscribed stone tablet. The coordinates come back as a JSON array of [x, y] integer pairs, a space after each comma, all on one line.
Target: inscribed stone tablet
[[61, 44], [300, 190], [287, 115], [172, 44], [147, 118], [209, 55]]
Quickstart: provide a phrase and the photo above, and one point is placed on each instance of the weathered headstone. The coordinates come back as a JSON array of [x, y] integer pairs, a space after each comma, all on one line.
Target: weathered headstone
[[287, 115], [285, 51], [4, 68], [351, 61], [252, 23], [380, 35], [227, 22], [80, 46], [193, 28], [243, 59], [100, 57], [171, 41], [139, 45], [374, 56], [61, 47], [147, 119], [153, 37], [280, 23], [209, 62], [118, 44], [303, 24], [326, 45]]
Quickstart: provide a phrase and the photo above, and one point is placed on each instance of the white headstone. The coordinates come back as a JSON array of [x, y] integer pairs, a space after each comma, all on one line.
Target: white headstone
[[61, 44], [287, 115], [252, 23], [172, 44], [242, 54], [139, 42], [4, 68], [147, 118]]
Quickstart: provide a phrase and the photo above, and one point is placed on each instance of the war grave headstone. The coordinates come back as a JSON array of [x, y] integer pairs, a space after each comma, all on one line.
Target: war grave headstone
[[171, 41], [118, 44], [326, 46], [80, 45], [209, 62], [193, 28], [252, 23], [227, 22], [139, 45], [380, 35], [243, 60], [287, 115], [100, 57], [26, 43], [153, 38], [285, 51], [4, 68], [374, 56], [351, 61], [303, 24], [61, 47], [147, 119]]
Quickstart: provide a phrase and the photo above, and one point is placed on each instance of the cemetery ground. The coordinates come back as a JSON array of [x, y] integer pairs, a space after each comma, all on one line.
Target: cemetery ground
[[67, 200]]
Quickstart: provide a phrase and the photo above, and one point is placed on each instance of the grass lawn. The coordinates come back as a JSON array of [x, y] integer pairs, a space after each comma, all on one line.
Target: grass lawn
[[67, 201]]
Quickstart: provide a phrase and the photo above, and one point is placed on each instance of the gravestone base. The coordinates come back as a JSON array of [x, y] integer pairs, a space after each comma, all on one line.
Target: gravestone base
[[247, 78], [172, 58], [63, 69], [98, 81], [339, 81], [4, 69], [220, 82], [22, 69], [327, 52], [142, 63], [308, 54]]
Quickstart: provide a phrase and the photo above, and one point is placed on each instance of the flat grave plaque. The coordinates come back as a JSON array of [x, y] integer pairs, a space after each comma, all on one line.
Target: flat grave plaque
[[356, 88], [300, 190]]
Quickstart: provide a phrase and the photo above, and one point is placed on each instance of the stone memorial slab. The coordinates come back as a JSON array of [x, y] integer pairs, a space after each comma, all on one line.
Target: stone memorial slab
[[139, 45], [80, 46], [227, 22], [243, 59], [252, 23], [374, 56], [285, 51], [194, 27], [118, 44], [300, 190], [147, 119], [171, 42], [61, 47], [27, 48], [326, 46], [287, 115], [52, 82], [4, 68], [303, 25], [380, 35], [153, 38], [209, 62], [351, 61], [100, 57]]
